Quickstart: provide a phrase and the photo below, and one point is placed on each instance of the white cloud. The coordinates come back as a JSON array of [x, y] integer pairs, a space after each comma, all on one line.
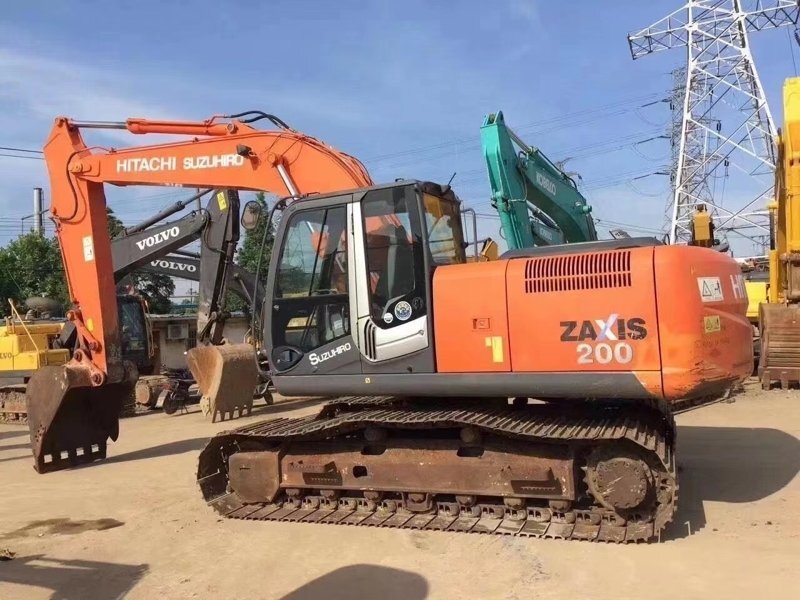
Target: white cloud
[[39, 89]]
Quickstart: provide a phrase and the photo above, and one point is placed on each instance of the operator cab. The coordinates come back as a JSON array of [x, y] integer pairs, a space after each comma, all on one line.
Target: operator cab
[[134, 332], [350, 279]]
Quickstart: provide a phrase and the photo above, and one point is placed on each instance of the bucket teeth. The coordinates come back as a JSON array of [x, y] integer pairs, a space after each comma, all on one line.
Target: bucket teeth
[[71, 422], [226, 376]]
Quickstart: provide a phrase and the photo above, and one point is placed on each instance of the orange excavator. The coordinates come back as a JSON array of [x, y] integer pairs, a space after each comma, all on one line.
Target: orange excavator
[[530, 395]]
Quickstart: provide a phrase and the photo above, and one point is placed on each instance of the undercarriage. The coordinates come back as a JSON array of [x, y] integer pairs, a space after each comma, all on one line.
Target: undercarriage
[[595, 471]]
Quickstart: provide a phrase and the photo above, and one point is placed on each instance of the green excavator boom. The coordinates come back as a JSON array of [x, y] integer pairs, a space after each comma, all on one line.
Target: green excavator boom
[[539, 204]]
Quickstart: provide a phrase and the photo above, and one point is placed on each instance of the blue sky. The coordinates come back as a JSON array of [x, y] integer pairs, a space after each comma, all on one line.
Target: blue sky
[[402, 85]]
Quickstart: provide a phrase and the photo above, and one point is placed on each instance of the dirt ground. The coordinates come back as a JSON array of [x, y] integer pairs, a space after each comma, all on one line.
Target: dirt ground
[[135, 527]]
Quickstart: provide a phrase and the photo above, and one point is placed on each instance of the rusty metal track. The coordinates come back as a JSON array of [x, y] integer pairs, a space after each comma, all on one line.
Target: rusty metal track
[[13, 409], [584, 429]]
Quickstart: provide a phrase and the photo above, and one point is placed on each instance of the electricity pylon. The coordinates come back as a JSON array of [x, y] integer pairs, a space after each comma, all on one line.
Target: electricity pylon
[[726, 127]]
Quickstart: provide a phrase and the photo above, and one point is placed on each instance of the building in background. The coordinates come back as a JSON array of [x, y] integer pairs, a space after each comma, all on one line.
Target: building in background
[[174, 334]]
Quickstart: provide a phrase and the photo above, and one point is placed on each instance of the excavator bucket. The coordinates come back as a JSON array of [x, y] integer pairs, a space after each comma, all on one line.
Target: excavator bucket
[[69, 419], [227, 376], [780, 345]]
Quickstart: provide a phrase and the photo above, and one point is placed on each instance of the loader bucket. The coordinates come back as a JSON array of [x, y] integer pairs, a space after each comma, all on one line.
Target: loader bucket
[[226, 376], [71, 421]]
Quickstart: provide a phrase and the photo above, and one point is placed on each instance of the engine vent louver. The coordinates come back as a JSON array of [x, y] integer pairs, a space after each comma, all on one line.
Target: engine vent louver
[[369, 340], [578, 272]]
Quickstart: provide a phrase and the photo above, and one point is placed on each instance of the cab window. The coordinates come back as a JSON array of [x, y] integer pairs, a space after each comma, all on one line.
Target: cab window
[[310, 307], [445, 237], [395, 256]]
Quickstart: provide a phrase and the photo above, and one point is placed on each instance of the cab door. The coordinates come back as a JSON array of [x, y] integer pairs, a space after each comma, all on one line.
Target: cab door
[[390, 279], [309, 313]]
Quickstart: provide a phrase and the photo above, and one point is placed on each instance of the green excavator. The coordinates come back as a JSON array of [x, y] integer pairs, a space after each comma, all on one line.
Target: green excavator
[[538, 203]]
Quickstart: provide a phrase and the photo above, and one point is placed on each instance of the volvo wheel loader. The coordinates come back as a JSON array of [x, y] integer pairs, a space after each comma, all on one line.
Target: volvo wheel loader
[[531, 395]]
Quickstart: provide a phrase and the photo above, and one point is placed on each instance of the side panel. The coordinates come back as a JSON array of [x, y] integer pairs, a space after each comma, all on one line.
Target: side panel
[[702, 305], [552, 386], [471, 321], [592, 311]]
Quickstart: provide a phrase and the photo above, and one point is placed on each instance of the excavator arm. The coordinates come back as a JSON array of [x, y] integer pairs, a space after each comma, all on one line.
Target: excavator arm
[[140, 246], [538, 203], [186, 265], [218, 228], [72, 412]]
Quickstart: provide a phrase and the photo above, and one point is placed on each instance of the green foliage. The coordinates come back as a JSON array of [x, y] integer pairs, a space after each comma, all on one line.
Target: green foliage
[[155, 288], [247, 256], [251, 246], [31, 266], [235, 303], [115, 226]]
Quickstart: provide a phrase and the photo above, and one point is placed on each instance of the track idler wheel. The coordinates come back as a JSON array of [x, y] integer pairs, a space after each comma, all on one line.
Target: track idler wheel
[[70, 418], [619, 479], [226, 376]]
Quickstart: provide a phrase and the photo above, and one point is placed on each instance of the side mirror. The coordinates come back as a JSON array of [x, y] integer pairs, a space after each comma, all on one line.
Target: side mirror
[[251, 215]]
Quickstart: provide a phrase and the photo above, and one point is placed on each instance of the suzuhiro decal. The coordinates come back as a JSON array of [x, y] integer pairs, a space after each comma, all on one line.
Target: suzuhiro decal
[[604, 340]]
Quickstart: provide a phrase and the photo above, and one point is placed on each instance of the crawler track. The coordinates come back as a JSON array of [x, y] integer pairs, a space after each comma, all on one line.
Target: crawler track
[[580, 433], [12, 405]]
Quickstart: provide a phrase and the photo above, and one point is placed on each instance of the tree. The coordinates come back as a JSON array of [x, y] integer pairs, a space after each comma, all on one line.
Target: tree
[[31, 266], [155, 288], [247, 256]]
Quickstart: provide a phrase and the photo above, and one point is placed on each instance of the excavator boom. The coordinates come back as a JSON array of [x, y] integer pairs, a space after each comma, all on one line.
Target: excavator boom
[[539, 204], [72, 410]]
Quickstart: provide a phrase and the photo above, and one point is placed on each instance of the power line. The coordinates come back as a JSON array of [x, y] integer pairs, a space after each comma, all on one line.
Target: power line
[[20, 156], [582, 114], [12, 149]]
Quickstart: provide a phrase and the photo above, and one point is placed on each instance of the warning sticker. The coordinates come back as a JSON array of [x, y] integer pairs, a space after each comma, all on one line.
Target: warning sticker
[[710, 289], [712, 324], [222, 201], [88, 248]]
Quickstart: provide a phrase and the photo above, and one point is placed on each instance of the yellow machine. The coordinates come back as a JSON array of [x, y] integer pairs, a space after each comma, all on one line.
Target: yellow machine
[[756, 284], [780, 316], [702, 228], [28, 344], [24, 348]]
